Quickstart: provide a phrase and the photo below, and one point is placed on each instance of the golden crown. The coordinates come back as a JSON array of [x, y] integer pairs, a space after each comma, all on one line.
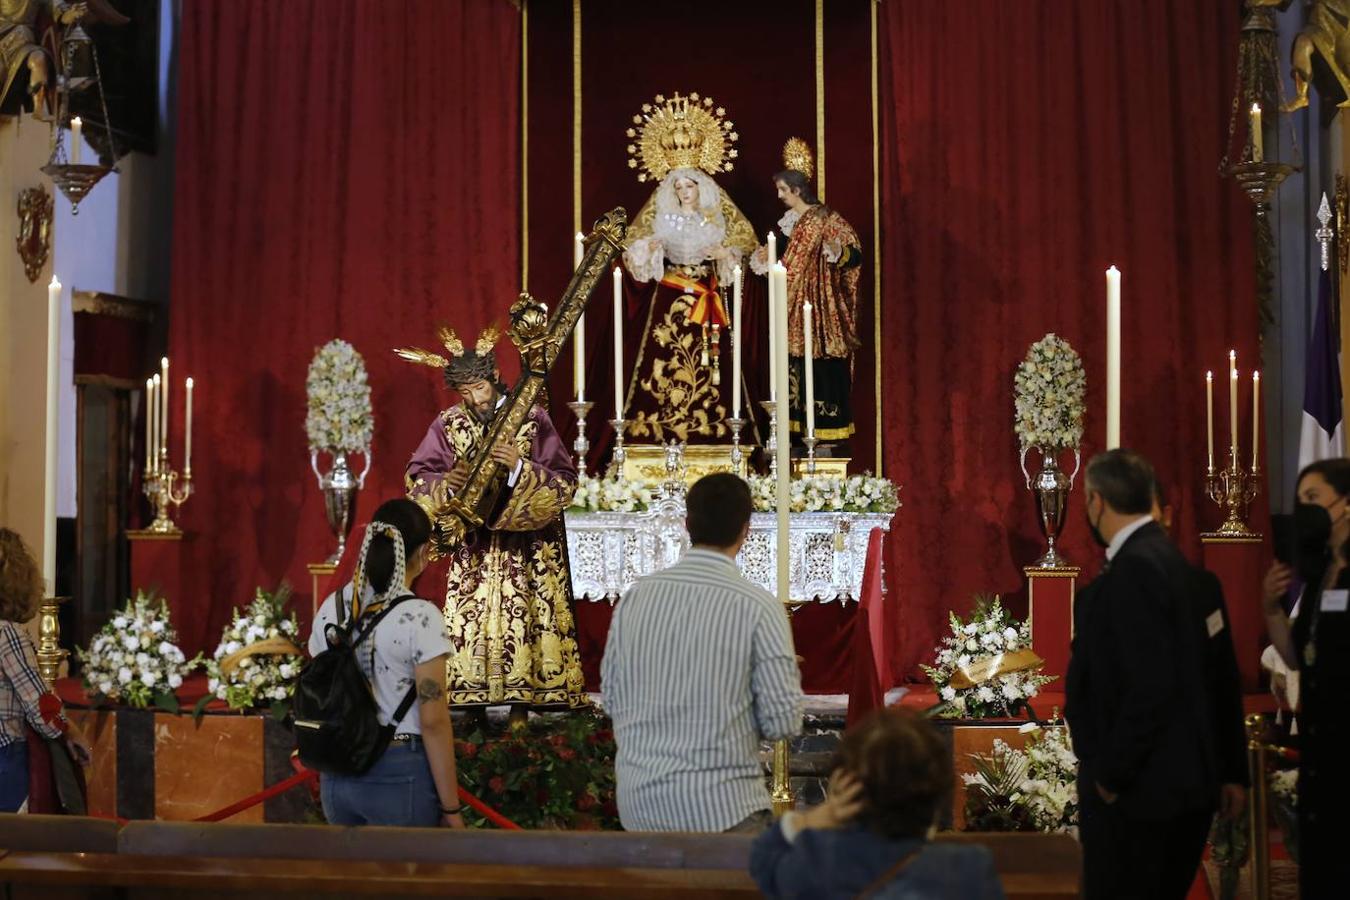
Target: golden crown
[[680, 132], [797, 157]]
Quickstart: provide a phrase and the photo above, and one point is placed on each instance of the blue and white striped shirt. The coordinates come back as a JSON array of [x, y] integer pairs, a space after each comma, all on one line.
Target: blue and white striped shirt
[[698, 669]]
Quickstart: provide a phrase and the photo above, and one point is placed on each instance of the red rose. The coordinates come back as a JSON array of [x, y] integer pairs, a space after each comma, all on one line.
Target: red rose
[[586, 801], [466, 750], [557, 740], [496, 785], [567, 753]]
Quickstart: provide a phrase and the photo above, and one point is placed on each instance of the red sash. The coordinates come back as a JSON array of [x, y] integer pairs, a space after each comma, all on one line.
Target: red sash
[[708, 308]]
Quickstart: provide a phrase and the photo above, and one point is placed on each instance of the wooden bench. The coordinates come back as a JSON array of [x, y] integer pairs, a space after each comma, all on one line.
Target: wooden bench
[[70, 833]]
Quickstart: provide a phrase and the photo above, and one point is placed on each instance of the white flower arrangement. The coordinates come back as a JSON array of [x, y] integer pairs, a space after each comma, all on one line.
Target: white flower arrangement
[[135, 659], [257, 662], [1032, 789], [611, 495], [339, 419], [823, 493], [1050, 387], [991, 631]]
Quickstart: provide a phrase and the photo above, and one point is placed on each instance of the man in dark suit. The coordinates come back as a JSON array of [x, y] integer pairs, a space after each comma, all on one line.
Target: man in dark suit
[[1139, 704]]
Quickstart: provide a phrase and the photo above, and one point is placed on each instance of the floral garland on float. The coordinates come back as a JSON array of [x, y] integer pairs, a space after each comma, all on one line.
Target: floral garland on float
[[1031, 789], [817, 493], [257, 661], [135, 658], [985, 668], [1050, 389], [339, 422]]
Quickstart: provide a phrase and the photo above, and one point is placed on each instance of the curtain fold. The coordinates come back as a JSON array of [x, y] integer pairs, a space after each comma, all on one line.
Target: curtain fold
[[343, 171], [1026, 148]]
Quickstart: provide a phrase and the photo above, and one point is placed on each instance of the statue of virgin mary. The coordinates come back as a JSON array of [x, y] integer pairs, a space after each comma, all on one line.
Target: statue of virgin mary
[[685, 243]]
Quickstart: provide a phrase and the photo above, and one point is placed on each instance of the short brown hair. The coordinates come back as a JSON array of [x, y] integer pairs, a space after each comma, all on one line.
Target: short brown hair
[[905, 769], [717, 509], [20, 580]]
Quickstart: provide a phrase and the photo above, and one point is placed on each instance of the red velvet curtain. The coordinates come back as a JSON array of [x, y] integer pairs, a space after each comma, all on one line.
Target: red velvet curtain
[[1027, 147], [346, 170]]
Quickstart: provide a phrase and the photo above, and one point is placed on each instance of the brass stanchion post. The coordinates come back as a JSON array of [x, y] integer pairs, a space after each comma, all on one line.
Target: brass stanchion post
[[781, 793], [1258, 809]]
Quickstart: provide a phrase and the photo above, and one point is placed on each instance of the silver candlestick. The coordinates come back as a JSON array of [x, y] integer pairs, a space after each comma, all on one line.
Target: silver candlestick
[[581, 446], [810, 442], [737, 457], [771, 445], [619, 455]]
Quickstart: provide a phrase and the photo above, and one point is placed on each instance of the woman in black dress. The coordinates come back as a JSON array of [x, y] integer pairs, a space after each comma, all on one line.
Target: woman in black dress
[[1318, 643]]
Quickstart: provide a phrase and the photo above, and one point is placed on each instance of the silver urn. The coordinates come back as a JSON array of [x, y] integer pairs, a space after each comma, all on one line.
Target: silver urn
[[339, 487], [1051, 487]]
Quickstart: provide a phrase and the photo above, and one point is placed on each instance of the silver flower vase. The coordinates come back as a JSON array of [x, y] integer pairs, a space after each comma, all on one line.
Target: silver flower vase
[[339, 488], [1051, 488]]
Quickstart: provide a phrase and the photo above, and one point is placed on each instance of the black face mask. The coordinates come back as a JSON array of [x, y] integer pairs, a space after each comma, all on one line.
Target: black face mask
[[1095, 528], [1312, 530]]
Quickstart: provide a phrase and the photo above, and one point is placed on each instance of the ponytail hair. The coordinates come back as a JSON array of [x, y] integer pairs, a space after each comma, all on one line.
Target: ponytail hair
[[398, 529]]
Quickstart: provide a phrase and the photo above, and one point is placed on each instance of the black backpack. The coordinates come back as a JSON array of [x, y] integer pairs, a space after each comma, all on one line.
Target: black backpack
[[337, 725]]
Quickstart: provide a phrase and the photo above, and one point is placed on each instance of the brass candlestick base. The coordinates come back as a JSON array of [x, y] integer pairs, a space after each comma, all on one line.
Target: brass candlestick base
[[810, 441], [581, 446], [163, 487], [49, 652], [1233, 488]]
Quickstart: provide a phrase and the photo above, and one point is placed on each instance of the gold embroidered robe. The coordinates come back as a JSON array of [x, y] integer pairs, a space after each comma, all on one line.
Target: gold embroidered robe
[[508, 589]]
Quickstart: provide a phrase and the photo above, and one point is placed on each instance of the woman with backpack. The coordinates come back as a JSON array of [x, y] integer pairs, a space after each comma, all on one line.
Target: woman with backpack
[[399, 643]]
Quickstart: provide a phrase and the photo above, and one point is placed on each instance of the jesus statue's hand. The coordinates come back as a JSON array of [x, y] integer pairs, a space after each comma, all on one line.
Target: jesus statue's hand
[[456, 478], [507, 454]]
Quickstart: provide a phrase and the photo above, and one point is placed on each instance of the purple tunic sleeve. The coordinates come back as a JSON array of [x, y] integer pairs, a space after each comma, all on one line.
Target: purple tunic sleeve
[[424, 479]]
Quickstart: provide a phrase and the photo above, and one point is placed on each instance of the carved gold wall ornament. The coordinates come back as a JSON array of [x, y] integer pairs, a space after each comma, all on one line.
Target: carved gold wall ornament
[[35, 230]]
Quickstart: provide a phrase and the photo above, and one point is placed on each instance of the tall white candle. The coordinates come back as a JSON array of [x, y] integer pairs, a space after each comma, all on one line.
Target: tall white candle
[[1232, 404], [579, 333], [155, 409], [778, 277], [1256, 418], [736, 342], [149, 425], [1209, 417], [773, 332], [49, 480], [187, 435], [1112, 358], [76, 140], [1258, 141], [809, 370], [772, 244], [618, 343], [164, 405]]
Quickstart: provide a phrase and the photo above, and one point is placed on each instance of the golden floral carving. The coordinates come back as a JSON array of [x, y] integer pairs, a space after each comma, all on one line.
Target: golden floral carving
[[688, 403], [34, 240]]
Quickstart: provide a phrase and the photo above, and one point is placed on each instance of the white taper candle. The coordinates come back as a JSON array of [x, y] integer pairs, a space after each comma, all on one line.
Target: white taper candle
[[809, 370], [736, 343], [579, 333], [1209, 417], [778, 277], [1112, 358], [618, 343], [164, 406], [187, 434], [1232, 405], [1256, 418], [49, 474]]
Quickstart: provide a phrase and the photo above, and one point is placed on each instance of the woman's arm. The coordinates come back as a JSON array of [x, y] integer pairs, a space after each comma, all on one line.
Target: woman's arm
[[438, 736], [1273, 590]]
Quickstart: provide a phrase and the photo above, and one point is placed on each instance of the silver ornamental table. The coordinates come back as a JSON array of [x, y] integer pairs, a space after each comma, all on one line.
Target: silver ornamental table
[[608, 551]]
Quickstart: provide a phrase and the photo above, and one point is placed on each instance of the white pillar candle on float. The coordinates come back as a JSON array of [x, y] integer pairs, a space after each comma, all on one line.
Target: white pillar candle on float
[[778, 279], [164, 406], [187, 434], [149, 425], [618, 343], [809, 370], [1232, 404], [1256, 418], [1209, 417], [736, 342], [773, 312], [76, 140], [1112, 358], [49, 474], [155, 408], [579, 333], [1258, 141]]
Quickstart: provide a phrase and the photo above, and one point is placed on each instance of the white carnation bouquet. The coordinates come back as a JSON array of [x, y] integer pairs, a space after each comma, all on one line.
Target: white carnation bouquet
[[990, 636], [611, 495], [1032, 789], [339, 419], [135, 658], [825, 493], [257, 661], [1050, 387]]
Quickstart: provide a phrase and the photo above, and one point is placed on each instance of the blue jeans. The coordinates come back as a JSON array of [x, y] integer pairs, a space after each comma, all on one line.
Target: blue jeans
[[397, 790], [13, 776]]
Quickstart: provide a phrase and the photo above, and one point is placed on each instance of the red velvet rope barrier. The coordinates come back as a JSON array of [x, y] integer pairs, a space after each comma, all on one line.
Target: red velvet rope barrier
[[488, 812]]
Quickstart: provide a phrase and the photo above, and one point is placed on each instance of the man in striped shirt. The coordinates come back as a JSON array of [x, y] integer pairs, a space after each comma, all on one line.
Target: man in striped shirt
[[698, 669]]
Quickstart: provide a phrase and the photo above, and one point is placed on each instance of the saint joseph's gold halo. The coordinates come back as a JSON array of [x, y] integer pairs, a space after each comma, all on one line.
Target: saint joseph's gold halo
[[680, 132], [797, 157]]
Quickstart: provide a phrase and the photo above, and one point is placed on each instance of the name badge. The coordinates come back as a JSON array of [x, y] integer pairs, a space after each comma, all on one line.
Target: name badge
[[1335, 601], [1214, 622]]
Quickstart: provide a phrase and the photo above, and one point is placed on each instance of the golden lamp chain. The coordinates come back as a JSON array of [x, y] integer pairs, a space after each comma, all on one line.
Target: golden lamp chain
[[539, 343]]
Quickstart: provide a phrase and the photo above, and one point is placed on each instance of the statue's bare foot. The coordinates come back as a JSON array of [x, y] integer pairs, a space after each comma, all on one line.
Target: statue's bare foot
[[1300, 102]]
